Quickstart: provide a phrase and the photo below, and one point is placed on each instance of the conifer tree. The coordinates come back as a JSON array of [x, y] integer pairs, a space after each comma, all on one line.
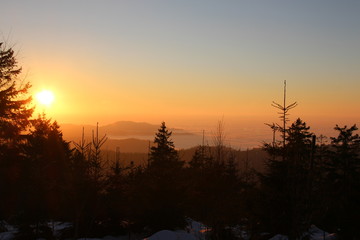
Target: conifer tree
[[89, 185], [164, 152], [14, 109], [45, 179], [284, 113], [286, 183], [201, 159], [161, 187], [342, 183], [14, 119]]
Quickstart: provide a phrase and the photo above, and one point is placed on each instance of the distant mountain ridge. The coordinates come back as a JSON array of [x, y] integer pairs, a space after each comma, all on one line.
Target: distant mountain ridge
[[130, 136], [120, 128], [129, 128]]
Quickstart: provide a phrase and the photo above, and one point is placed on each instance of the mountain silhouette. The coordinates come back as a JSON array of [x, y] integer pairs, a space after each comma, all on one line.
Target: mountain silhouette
[[129, 128], [129, 136]]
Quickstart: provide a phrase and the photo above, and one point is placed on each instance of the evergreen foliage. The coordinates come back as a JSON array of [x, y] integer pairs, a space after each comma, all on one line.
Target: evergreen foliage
[[163, 154], [286, 184], [342, 183], [44, 179], [217, 192], [161, 187], [14, 120], [14, 109]]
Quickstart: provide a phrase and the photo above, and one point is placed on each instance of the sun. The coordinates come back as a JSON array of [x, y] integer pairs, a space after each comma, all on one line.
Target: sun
[[45, 97]]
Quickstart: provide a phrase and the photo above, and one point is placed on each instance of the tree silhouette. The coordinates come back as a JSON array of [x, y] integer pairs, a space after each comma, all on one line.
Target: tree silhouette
[[14, 119], [89, 185], [285, 185], [217, 192], [164, 153], [343, 183], [14, 110], [95, 161], [219, 142], [45, 180], [284, 113], [274, 128], [159, 191]]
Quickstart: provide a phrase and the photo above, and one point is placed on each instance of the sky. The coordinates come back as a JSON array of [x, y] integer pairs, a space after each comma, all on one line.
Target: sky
[[190, 63]]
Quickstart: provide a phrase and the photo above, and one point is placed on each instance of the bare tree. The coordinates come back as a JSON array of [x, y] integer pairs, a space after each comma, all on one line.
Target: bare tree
[[219, 138]]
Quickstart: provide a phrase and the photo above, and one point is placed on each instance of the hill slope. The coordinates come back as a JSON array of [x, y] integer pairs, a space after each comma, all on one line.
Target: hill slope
[[129, 136]]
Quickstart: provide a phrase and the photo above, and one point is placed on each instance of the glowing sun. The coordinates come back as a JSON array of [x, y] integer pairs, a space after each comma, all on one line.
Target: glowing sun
[[45, 97]]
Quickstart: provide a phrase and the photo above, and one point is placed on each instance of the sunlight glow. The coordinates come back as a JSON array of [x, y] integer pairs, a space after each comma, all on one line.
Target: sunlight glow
[[45, 97]]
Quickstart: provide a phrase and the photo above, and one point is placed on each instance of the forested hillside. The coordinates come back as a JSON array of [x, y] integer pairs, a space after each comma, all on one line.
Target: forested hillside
[[297, 180]]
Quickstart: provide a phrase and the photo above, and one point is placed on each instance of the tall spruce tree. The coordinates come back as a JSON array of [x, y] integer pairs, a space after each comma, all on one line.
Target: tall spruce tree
[[45, 179], [161, 187], [14, 104], [14, 119], [286, 184], [342, 183], [164, 152]]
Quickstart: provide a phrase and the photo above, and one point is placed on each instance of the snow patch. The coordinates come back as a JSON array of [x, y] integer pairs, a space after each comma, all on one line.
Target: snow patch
[[279, 237], [171, 235], [318, 234], [314, 233]]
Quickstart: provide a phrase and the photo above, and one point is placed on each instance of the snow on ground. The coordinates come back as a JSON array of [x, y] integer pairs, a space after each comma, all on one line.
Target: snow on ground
[[318, 234], [314, 232], [106, 238], [10, 231], [6, 235], [279, 237], [194, 231], [197, 229], [171, 235]]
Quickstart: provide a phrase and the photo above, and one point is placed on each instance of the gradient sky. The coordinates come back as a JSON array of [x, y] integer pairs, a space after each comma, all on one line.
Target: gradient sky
[[190, 62]]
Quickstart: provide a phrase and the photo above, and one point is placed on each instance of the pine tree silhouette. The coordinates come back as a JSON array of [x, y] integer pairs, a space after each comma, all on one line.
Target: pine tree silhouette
[[164, 152], [161, 187], [14, 120], [14, 109], [342, 183], [285, 185]]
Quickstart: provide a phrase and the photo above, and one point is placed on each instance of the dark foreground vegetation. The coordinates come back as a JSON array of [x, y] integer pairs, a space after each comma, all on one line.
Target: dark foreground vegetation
[[42, 179]]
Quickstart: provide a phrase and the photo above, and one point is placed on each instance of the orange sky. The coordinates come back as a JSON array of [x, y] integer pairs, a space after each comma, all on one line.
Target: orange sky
[[190, 63]]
